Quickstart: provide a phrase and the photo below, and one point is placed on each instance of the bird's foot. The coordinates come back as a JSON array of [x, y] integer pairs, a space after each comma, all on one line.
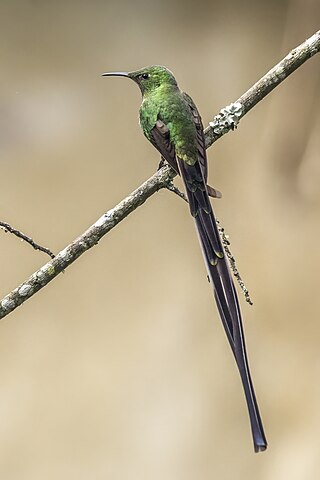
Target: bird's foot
[[161, 163]]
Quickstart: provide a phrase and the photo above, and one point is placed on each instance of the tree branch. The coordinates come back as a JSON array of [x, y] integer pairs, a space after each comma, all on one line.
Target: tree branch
[[225, 121], [268, 82], [87, 240]]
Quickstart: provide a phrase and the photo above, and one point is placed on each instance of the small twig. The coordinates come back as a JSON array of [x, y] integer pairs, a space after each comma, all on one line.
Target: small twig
[[232, 262], [8, 228], [171, 186], [159, 180]]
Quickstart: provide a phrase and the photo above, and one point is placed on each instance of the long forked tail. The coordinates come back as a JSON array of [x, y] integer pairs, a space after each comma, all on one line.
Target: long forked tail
[[224, 290], [229, 310]]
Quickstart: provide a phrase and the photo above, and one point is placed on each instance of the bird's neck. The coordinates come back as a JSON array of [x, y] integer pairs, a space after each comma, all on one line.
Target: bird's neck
[[162, 91]]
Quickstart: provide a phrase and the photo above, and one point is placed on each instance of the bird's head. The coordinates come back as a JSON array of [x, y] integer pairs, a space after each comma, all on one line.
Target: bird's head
[[148, 78]]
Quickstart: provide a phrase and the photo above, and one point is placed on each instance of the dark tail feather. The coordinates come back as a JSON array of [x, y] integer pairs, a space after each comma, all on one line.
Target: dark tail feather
[[229, 311], [224, 290]]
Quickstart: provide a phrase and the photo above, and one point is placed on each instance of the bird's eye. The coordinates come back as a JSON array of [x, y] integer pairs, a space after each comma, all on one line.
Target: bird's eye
[[145, 76]]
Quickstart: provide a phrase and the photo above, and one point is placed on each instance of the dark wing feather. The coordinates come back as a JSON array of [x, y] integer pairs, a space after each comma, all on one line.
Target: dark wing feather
[[202, 155], [160, 138], [195, 179]]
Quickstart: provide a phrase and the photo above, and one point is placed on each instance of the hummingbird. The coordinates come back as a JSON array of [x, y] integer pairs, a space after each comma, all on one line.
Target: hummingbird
[[171, 122]]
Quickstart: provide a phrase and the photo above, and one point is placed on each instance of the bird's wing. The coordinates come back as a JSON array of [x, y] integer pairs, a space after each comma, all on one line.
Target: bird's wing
[[202, 156], [195, 178], [160, 138]]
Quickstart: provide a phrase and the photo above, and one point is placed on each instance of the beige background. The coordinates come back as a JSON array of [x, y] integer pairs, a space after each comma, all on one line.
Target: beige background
[[120, 369]]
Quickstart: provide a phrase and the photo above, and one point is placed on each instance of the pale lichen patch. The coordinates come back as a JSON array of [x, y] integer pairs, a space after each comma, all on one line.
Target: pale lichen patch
[[7, 304], [227, 119], [25, 290], [48, 269], [101, 221]]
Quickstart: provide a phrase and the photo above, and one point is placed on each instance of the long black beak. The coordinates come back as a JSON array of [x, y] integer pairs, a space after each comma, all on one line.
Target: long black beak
[[115, 74]]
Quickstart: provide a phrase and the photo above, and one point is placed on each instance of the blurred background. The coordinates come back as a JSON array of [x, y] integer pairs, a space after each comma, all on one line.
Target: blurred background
[[119, 369]]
